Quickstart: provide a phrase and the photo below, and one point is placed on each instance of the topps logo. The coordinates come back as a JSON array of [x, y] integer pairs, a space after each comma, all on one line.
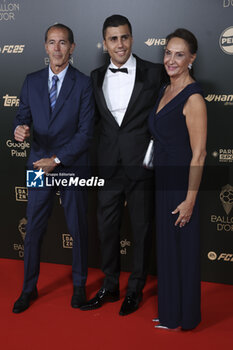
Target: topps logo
[[10, 101], [12, 49]]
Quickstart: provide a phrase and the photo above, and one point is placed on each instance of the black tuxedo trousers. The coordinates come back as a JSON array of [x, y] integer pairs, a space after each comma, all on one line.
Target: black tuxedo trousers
[[111, 201]]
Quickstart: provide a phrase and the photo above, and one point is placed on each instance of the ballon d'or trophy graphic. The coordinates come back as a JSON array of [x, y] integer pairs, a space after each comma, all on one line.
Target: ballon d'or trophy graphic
[[22, 227], [226, 197]]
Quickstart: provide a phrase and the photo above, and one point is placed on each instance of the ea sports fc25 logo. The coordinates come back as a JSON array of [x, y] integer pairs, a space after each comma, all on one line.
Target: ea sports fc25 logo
[[12, 49], [226, 41]]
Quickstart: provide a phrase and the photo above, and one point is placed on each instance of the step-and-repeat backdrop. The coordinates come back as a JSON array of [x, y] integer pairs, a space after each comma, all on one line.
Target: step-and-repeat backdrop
[[22, 27]]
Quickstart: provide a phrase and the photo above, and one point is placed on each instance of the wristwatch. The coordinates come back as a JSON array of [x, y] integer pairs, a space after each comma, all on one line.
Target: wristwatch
[[57, 160]]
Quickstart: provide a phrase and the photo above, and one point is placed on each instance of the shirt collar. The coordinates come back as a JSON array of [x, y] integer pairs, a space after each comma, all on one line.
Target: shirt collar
[[129, 64], [60, 75]]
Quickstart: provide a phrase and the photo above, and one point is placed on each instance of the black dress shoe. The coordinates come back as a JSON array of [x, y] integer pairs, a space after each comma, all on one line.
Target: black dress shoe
[[23, 302], [78, 297], [130, 304], [103, 296]]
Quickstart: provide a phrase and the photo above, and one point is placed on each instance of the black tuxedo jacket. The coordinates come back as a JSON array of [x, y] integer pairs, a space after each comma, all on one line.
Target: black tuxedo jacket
[[127, 144]]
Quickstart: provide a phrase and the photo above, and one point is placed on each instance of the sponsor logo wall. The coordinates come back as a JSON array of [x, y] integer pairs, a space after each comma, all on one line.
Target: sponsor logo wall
[[22, 52]]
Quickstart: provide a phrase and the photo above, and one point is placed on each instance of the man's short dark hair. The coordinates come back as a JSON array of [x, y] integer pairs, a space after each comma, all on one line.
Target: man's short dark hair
[[61, 26], [116, 21]]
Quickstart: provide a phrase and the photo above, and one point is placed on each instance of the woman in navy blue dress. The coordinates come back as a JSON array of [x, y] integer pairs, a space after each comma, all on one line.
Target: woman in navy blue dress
[[178, 124]]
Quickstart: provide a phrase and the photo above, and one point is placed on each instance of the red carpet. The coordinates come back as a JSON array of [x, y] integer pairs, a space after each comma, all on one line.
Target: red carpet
[[51, 323]]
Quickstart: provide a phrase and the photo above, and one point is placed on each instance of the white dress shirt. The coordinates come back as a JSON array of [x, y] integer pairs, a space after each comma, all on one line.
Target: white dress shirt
[[60, 76], [118, 88]]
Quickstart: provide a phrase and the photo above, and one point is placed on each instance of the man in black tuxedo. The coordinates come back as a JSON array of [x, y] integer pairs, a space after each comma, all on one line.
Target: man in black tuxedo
[[125, 91]]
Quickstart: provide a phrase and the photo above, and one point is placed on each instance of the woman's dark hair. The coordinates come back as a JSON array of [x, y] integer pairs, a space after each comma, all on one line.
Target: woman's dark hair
[[188, 37], [185, 35]]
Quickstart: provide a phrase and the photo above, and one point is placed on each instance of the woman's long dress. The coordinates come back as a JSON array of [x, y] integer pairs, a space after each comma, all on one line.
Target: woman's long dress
[[177, 248]]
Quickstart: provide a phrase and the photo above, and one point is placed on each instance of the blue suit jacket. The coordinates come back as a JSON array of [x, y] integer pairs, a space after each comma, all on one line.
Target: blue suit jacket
[[68, 130]]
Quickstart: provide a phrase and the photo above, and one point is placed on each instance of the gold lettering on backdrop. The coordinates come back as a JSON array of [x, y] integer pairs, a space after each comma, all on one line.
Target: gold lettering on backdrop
[[21, 194], [8, 11], [224, 223], [10, 101], [67, 240], [124, 244]]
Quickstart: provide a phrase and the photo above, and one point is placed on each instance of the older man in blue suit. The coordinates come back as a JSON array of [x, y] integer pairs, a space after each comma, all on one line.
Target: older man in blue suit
[[58, 102]]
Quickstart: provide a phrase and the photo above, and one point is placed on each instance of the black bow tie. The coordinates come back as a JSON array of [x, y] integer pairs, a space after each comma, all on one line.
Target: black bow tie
[[122, 70]]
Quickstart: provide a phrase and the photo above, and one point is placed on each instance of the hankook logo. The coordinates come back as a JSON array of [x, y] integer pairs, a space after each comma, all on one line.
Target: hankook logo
[[155, 42], [226, 41], [228, 99]]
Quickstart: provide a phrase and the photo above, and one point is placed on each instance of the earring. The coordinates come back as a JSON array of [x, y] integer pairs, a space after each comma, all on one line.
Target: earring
[[190, 66]]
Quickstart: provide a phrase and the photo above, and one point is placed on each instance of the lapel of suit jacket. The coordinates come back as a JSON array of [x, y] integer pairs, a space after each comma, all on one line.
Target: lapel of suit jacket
[[100, 95], [44, 92], [139, 82], [67, 86]]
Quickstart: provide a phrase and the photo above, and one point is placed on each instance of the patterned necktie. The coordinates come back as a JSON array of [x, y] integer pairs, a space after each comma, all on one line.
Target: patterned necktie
[[53, 92], [122, 70]]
